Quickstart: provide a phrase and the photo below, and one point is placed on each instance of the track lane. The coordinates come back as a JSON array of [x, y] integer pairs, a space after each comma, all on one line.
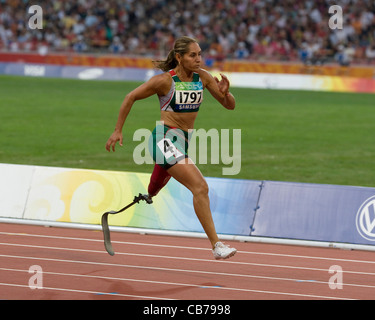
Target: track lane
[[164, 267]]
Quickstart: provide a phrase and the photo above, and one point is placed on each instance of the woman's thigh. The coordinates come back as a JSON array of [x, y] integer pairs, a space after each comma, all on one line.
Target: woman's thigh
[[187, 173]]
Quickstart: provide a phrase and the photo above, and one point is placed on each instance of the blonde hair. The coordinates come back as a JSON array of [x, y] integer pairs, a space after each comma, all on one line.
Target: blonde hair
[[181, 46]]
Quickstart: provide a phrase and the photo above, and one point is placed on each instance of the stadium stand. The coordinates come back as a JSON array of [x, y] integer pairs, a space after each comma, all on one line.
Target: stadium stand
[[257, 30]]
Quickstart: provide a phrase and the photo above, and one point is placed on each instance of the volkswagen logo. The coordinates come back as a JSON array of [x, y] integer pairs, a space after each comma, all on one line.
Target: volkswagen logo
[[365, 220]]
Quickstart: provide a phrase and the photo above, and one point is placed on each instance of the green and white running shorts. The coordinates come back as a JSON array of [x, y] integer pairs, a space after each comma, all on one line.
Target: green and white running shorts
[[168, 145]]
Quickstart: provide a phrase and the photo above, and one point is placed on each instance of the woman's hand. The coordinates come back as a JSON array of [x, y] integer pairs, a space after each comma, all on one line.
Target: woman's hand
[[219, 89], [223, 84], [116, 136]]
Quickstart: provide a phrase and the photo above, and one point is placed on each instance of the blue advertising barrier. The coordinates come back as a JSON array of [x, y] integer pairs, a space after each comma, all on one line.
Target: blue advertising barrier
[[232, 202], [316, 212], [250, 210], [76, 72], [81, 196]]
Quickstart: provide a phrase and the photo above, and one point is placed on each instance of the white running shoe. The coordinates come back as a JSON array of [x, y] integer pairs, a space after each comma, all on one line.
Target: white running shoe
[[222, 251]]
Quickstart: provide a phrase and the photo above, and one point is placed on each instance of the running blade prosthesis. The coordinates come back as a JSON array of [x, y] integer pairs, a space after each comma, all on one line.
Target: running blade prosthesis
[[105, 228]]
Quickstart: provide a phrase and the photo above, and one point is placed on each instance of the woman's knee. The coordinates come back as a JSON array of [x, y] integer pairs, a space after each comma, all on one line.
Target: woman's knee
[[200, 188], [190, 176]]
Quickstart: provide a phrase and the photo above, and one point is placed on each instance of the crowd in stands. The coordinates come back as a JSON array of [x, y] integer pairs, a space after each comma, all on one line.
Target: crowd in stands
[[263, 30]]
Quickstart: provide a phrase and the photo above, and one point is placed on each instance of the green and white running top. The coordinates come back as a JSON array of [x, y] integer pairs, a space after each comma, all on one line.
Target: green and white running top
[[183, 96]]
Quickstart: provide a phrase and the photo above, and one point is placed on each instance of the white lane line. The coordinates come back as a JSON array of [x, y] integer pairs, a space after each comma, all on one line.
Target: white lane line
[[185, 258], [86, 292], [326, 283], [177, 284], [191, 248]]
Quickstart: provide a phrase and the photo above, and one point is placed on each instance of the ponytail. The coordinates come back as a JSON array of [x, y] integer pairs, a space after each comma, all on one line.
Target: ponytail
[[168, 64], [181, 46]]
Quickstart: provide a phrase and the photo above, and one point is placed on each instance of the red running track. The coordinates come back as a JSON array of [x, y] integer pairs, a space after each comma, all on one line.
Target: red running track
[[74, 265]]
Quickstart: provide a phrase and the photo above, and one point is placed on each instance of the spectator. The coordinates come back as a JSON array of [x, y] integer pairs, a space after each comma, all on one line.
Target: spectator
[[370, 53], [116, 46], [241, 51], [80, 45], [345, 55], [238, 29]]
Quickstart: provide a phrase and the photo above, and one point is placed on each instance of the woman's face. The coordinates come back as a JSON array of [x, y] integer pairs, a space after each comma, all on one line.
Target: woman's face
[[192, 59]]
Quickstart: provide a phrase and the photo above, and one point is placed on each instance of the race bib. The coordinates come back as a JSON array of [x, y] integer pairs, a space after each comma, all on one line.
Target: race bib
[[168, 149], [189, 95]]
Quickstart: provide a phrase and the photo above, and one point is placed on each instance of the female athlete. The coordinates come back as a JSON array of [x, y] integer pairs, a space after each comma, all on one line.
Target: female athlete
[[180, 91]]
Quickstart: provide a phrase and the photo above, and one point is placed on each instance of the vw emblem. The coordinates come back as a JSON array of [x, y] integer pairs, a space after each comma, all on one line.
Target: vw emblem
[[365, 220]]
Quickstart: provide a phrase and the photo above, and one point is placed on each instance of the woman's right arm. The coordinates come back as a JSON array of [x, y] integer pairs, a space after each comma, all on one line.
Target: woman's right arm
[[156, 85]]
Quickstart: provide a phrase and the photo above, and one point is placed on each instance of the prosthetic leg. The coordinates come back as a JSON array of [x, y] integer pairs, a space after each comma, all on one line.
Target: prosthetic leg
[[105, 227], [159, 179]]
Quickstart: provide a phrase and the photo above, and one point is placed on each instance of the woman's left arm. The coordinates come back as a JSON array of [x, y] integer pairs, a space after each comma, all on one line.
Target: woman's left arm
[[219, 89]]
